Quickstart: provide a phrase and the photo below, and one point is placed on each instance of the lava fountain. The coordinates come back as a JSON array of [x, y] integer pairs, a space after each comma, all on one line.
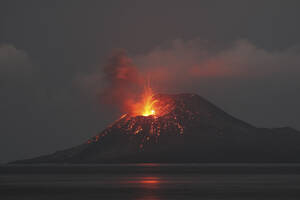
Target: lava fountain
[[146, 105]]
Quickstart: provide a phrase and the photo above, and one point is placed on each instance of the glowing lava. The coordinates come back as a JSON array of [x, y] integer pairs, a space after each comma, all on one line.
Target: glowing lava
[[148, 102], [147, 113], [146, 106]]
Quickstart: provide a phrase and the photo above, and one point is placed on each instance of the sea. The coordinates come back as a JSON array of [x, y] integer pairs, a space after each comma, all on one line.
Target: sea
[[150, 181]]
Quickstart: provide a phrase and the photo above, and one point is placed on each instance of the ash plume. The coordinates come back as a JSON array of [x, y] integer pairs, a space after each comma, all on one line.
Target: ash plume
[[240, 69], [123, 81]]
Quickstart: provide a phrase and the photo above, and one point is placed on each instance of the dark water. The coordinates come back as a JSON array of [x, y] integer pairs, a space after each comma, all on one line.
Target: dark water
[[151, 181]]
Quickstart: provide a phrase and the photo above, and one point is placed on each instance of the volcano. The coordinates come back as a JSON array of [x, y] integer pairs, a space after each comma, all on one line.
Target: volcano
[[187, 128]]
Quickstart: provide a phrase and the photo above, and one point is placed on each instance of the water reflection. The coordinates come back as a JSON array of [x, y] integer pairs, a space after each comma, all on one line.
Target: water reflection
[[151, 182], [146, 182], [146, 186]]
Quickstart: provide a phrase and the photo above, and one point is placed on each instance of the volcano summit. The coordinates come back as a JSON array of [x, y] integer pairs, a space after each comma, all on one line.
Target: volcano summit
[[183, 128]]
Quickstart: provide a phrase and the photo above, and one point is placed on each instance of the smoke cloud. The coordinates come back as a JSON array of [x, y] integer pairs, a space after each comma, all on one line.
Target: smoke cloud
[[123, 79], [227, 75], [250, 82], [184, 64], [121, 82], [14, 64]]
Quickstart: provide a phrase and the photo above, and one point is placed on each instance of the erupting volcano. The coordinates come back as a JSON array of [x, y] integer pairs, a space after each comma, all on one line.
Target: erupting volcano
[[172, 128], [180, 128]]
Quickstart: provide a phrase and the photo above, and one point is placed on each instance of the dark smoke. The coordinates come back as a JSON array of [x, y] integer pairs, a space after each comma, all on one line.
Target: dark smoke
[[124, 82]]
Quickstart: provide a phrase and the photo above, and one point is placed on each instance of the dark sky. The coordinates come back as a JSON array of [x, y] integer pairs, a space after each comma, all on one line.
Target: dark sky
[[241, 55]]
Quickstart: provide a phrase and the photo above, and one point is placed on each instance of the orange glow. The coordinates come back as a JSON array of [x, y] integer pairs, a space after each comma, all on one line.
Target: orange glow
[[148, 102], [146, 106], [149, 181]]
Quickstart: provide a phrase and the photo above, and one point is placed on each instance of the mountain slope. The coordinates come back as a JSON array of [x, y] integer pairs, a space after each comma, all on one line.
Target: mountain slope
[[188, 129]]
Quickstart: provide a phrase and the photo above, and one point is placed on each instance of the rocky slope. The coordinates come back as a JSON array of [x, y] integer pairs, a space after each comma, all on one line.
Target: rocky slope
[[188, 129]]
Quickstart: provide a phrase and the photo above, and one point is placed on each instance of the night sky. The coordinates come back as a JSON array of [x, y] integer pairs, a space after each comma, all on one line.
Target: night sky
[[243, 56]]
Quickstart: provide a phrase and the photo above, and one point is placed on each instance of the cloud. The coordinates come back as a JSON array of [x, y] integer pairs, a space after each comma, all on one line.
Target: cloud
[[17, 76], [15, 66], [254, 84], [17, 98], [37, 113], [190, 62], [118, 83], [184, 66]]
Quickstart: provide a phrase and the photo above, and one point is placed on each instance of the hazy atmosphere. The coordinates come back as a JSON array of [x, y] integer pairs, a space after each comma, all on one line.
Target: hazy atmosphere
[[243, 56]]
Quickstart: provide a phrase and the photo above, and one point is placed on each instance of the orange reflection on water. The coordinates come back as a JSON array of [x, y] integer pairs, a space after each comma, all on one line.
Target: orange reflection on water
[[146, 182], [149, 180], [146, 185]]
